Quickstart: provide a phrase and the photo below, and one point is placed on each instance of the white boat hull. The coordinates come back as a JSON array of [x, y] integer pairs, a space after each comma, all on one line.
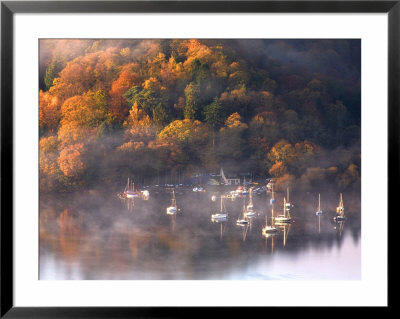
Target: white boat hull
[[269, 229], [171, 210], [282, 219], [339, 218], [219, 216]]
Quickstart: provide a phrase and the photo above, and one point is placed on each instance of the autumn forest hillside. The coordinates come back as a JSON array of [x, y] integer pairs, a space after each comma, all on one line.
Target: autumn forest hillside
[[168, 109]]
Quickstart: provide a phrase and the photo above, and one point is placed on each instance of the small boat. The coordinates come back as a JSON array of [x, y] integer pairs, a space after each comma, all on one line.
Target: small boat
[[285, 218], [173, 209], [242, 190], [270, 185], [231, 195], [340, 210], [145, 194], [319, 211], [222, 215], [129, 191], [242, 221]]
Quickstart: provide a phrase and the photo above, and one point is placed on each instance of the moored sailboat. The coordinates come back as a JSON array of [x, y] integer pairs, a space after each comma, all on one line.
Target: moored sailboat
[[250, 207], [172, 209], [340, 210], [319, 211], [222, 215], [242, 190], [268, 229], [241, 221], [272, 200], [285, 218], [129, 191]]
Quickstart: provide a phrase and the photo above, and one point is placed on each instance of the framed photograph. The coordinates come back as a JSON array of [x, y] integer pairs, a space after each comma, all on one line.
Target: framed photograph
[[165, 157]]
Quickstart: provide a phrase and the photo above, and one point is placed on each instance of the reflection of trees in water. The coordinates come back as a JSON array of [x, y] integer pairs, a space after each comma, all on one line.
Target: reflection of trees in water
[[70, 234]]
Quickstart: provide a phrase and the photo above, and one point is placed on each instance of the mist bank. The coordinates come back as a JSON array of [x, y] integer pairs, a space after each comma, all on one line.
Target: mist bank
[[94, 231]]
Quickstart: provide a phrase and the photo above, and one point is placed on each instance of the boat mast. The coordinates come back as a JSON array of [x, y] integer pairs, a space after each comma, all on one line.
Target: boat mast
[[319, 202], [272, 190], [173, 202], [288, 195], [284, 206], [127, 185], [340, 208], [341, 204]]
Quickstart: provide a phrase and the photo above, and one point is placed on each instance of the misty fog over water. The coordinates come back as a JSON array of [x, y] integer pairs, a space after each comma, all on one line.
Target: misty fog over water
[[95, 235]]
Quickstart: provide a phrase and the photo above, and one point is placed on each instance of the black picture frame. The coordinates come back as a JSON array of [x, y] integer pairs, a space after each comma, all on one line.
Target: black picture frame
[[9, 8]]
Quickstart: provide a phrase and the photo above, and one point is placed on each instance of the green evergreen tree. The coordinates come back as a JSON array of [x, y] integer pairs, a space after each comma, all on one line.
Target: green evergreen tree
[[192, 94], [55, 66]]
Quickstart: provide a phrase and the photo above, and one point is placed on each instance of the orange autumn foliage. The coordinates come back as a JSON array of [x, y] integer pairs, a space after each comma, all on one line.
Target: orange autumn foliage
[[118, 105], [49, 111], [278, 169], [70, 160]]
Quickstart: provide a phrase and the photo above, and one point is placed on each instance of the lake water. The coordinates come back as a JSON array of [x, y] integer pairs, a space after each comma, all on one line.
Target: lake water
[[95, 236]]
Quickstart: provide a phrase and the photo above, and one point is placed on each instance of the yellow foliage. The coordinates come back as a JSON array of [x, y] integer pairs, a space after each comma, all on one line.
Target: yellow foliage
[[234, 121], [153, 84], [125, 52], [196, 50], [184, 130], [282, 151], [131, 146], [138, 124]]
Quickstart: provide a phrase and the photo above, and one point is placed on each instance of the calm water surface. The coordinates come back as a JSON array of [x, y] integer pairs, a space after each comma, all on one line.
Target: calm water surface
[[95, 236]]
